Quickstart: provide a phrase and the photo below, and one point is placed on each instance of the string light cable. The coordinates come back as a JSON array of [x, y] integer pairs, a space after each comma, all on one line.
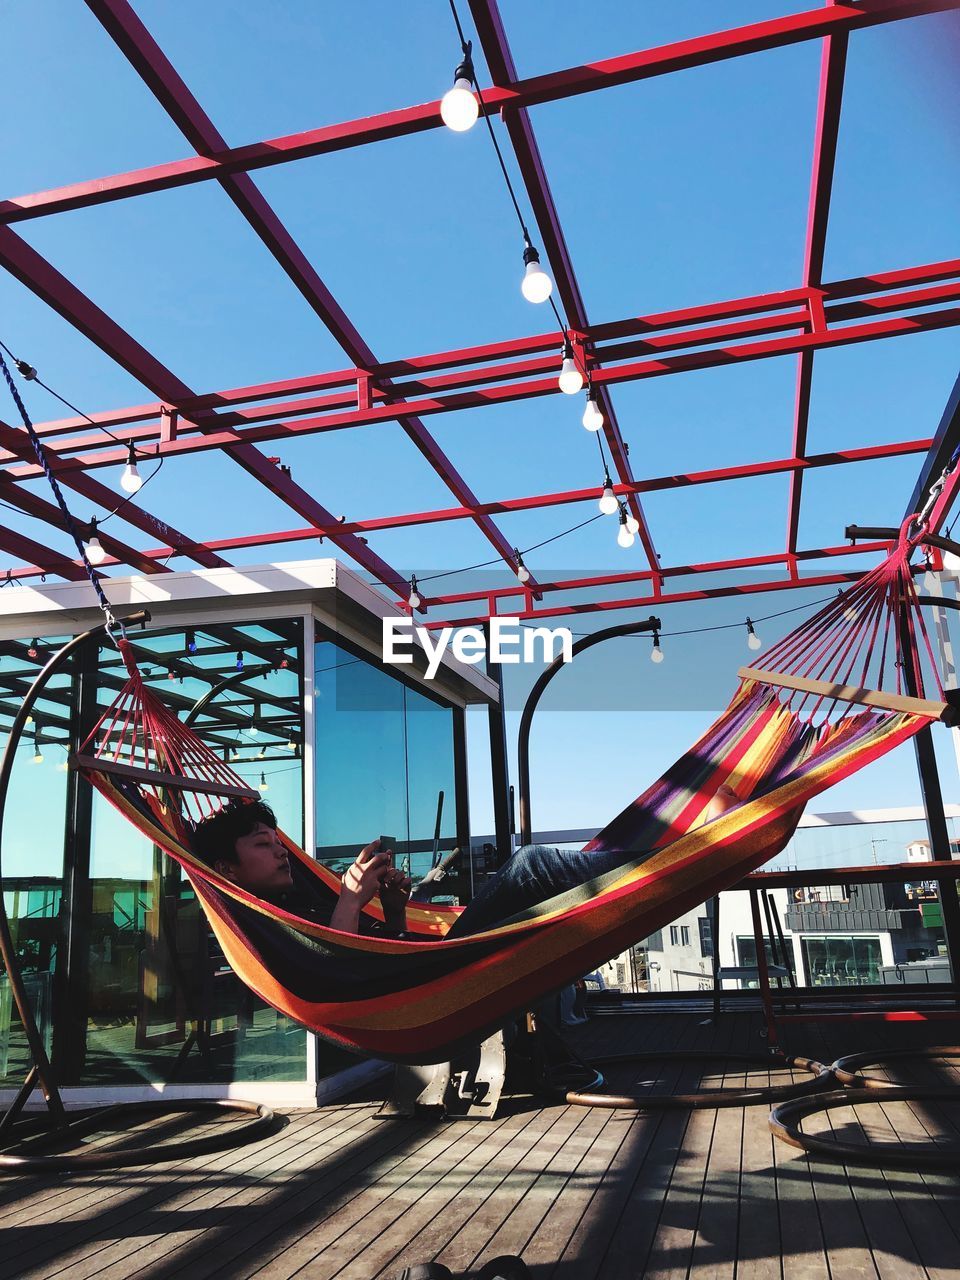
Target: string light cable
[[130, 481], [520, 555]]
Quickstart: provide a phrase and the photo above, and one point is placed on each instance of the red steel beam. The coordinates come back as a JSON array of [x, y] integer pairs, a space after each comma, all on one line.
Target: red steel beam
[[753, 308], [499, 58], [231, 438], [16, 443], [45, 558], [653, 599], [18, 496], [505, 506], [832, 67], [154, 68], [38, 275], [608, 73], [494, 596]]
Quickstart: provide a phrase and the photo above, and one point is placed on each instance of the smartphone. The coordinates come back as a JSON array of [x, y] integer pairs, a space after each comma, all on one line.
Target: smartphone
[[387, 842]]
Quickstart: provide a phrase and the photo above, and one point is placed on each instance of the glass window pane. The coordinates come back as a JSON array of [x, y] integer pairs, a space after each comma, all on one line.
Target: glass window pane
[[161, 1003], [385, 752], [33, 838]]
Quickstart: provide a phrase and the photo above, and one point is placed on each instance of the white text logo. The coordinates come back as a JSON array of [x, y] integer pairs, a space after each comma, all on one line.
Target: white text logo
[[509, 643]]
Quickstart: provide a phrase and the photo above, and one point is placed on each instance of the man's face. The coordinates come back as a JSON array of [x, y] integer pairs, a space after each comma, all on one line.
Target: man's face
[[262, 864]]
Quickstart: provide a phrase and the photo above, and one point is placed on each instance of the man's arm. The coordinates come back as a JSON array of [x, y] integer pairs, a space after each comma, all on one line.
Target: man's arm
[[394, 896], [360, 882]]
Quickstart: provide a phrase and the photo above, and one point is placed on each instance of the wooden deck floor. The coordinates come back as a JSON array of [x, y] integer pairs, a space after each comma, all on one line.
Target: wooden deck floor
[[580, 1194]]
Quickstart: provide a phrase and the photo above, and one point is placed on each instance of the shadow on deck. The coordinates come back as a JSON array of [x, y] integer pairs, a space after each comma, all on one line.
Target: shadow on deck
[[580, 1194]]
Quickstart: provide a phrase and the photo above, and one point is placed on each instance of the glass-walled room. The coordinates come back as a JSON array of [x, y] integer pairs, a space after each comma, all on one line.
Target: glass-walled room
[[126, 982]]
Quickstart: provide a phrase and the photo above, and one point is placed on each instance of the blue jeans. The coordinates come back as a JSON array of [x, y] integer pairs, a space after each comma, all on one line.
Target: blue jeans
[[534, 873]]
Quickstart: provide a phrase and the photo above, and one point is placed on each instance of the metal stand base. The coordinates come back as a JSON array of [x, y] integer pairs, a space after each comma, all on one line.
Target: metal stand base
[[467, 1088], [30, 1151]]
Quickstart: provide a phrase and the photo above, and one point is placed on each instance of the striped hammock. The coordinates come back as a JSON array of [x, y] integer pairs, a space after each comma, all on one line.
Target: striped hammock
[[812, 713]]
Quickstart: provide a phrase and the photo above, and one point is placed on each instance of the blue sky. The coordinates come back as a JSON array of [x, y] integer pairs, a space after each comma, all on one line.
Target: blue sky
[[680, 190]]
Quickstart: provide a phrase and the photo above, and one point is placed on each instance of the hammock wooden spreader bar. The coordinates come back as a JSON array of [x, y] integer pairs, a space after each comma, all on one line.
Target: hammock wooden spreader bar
[[160, 779], [850, 693]]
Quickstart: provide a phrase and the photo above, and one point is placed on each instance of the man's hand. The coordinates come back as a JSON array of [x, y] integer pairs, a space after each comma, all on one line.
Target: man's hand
[[359, 883], [394, 895]]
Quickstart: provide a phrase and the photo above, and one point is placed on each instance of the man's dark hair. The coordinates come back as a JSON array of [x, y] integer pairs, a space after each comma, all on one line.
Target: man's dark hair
[[215, 838]]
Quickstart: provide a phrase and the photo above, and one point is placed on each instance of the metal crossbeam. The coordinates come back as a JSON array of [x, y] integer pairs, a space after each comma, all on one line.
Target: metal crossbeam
[[760, 587], [41, 278], [539, 501], [681, 55], [801, 321], [832, 67], [170, 90], [488, 387]]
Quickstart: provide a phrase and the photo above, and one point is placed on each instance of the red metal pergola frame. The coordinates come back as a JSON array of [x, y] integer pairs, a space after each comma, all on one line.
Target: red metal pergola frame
[[816, 315]]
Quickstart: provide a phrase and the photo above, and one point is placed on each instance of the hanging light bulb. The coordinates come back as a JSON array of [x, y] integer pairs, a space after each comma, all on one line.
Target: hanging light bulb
[[64, 766], [624, 537], [523, 573], [633, 524], [459, 108], [753, 640], [413, 599], [239, 659], [131, 481], [95, 552], [37, 753], [592, 416], [32, 651], [292, 745], [571, 379], [608, 503], [656, 653], [536, 285], [264, 784], [190, 640], [261, 754]]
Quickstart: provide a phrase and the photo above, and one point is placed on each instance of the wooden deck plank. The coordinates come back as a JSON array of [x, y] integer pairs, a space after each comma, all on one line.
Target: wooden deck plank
[[715, 1244], [893, 1250], [582, 1195], [155, 1200], [759, 1240], [483, 1224], [803, 1249], [630, 1244], [77, 1192], [553, 1239], [848, 1248], [525, 1223], [333, 1246], [331, 1203], [393, 1222]]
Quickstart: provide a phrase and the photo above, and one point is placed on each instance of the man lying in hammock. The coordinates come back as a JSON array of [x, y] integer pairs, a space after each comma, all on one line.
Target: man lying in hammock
[[241, 843]]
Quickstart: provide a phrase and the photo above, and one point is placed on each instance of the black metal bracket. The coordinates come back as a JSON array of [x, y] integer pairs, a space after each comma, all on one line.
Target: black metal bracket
[[534, 696]]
